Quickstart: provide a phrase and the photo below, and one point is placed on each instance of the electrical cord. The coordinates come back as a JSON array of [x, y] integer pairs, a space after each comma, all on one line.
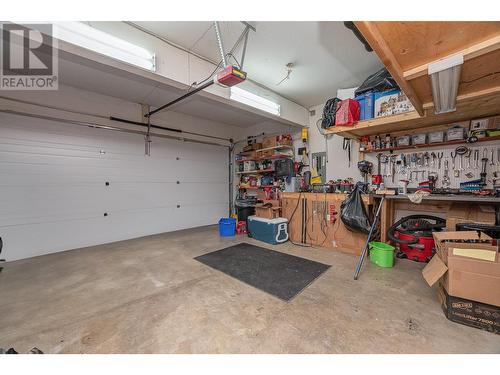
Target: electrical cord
[[291, 218]]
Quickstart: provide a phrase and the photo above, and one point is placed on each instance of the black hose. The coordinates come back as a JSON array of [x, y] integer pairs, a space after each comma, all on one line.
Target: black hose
[[440, 223]]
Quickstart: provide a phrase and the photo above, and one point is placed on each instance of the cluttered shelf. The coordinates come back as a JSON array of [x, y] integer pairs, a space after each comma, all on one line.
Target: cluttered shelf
[[427, 145], [273, 157], [257, 187], [256, 171], [407, 121]]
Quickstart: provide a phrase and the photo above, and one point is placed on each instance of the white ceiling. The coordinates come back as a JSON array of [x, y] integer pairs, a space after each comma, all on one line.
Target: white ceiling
[[95, 77], [326, 55]]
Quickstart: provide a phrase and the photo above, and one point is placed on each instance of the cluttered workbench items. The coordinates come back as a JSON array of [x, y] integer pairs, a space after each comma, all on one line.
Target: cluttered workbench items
[[460, 158]]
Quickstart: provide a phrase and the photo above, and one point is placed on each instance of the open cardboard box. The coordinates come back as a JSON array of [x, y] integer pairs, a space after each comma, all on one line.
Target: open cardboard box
[[466, 270], [268, 212]]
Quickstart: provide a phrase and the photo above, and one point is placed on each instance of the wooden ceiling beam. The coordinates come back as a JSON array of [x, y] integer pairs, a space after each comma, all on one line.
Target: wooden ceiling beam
[[471, 52], [373, 36]]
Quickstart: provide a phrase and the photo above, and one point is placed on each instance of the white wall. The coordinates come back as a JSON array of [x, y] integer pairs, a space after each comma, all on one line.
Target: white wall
[[337, 165], [53, 194]]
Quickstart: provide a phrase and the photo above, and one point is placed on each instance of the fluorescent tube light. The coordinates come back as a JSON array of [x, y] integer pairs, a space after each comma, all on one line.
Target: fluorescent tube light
[[255, 101], [445, 78], [98, 41]]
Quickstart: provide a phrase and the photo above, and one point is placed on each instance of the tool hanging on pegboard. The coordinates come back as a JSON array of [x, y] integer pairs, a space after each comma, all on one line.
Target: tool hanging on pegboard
[[346, 146]]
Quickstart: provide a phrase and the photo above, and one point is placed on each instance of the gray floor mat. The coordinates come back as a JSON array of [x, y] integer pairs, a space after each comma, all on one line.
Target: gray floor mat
[[274, 272]]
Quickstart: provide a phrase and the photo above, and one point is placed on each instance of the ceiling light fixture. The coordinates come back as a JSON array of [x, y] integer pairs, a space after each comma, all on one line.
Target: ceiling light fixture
[[88, 37], [255, 101], [445, 78]]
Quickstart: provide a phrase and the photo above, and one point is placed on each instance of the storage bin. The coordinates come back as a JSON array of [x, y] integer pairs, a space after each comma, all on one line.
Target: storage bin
[[272, 231], [455, 133], [436, 137], [227, 227], [419, 139], [366, 105], [403, 140]]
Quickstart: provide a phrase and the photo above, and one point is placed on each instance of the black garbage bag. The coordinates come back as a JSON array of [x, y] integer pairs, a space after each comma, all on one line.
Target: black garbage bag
[[353, 212], [379, 81]]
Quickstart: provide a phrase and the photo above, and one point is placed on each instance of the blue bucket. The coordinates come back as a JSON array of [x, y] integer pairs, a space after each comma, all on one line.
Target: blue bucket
[[227, 227]]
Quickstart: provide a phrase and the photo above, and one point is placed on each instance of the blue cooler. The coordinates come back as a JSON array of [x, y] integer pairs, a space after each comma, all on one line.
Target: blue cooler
[[273, 231]]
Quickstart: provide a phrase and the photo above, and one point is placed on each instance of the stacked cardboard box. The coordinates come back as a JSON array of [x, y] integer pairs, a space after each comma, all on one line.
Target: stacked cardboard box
[[467, 268]]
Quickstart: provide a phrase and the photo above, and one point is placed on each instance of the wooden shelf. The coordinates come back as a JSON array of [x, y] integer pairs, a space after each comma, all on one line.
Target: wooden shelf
[[275, 148], [427, 145], [274, 157], [468, 108], [258, 171], [256, 187]]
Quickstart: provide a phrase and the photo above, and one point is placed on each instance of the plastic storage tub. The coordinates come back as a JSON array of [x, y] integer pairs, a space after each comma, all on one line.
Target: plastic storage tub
[[227, 227], [381, 254], [272, 231], [366, 105]]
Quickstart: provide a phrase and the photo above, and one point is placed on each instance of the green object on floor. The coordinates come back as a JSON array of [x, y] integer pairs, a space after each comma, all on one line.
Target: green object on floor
[[381, 254]]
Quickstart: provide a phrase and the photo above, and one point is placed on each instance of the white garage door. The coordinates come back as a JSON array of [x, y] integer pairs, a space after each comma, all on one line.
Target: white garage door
[[54, 194]]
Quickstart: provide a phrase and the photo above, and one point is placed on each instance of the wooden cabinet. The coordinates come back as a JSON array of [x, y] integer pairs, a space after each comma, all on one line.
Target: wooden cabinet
[[314, 219]]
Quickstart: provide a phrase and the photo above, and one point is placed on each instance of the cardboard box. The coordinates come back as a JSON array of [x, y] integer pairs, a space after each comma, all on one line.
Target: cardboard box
[[469, 213], [253, 146], [479, 124], [469, 269], [268, 212], [275, 141], [470, 313], [391, 102], [494, 123]]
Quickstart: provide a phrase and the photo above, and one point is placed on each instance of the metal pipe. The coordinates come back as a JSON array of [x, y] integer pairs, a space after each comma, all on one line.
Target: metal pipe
[[180, 98], [107, 127], [219, 41], [368, 239], [126, 121], [243, 53]]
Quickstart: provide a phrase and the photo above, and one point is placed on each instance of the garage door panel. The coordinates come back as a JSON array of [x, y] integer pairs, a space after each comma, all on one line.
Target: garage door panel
[[54, 197]]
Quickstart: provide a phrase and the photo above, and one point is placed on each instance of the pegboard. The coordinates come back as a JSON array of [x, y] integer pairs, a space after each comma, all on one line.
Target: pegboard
[[434, 167]]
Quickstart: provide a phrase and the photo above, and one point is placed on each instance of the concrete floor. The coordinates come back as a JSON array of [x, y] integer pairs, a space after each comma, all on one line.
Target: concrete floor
[[148, 295]]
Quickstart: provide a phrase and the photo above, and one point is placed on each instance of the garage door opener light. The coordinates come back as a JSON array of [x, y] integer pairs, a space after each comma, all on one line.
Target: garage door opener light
[[445, 78]]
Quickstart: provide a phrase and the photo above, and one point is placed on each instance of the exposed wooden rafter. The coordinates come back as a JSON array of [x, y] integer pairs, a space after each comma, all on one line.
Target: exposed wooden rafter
[[471, 52], [373, 36]]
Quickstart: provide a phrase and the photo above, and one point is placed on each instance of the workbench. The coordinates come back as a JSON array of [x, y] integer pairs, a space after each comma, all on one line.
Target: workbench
[[314, 219], [470, 207]]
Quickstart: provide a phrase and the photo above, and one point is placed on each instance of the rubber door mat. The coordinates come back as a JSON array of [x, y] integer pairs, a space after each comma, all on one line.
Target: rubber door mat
[[280, 274]]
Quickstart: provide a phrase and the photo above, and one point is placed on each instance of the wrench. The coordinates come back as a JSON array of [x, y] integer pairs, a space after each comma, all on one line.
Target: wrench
[[467, 156], [476, 158], [440, 156]]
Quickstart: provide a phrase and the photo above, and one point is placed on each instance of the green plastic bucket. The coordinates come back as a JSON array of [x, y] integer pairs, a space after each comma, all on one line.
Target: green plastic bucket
[[381, 254]]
